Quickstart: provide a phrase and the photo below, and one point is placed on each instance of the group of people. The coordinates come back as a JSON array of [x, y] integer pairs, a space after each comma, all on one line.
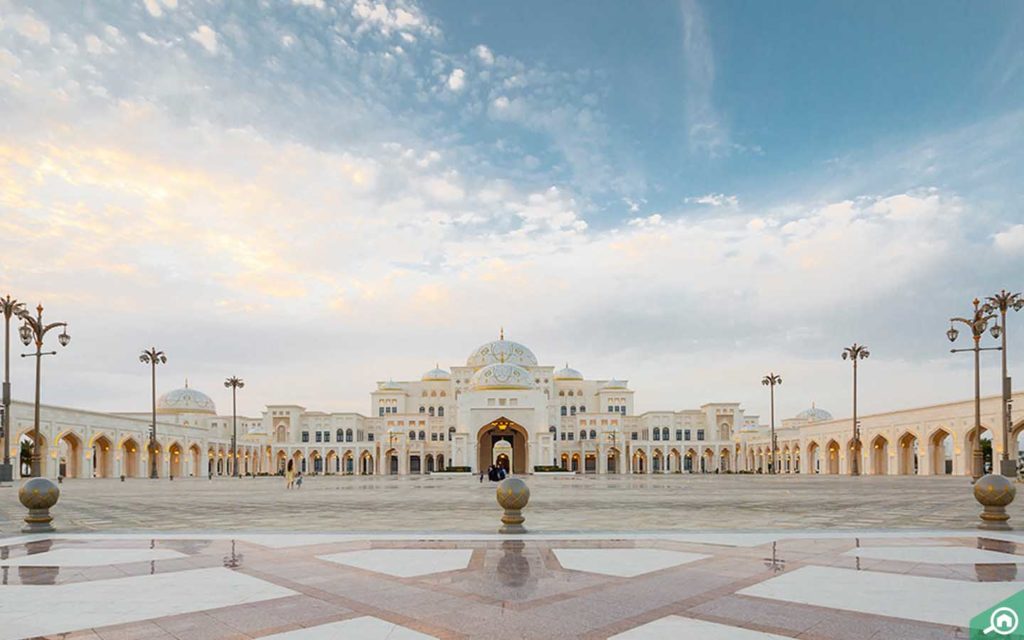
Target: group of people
[[494, 474], [292, 479]]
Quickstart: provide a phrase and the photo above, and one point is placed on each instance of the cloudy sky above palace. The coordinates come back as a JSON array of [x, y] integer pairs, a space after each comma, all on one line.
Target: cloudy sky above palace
[[318, 194]]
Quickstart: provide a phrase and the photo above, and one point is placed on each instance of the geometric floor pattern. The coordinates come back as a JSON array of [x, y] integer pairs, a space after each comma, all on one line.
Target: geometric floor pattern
[[415, 587]]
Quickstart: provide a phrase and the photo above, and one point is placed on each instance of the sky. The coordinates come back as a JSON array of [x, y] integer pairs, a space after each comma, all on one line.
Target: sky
[[316, 195]]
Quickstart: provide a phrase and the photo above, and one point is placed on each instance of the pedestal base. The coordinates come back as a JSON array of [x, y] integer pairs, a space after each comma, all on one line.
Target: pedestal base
[[6, 472], [1008, 468]]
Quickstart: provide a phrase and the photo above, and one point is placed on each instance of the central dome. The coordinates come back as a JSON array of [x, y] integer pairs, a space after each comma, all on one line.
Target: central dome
[[185, 401], [501, 375], [502, 351]]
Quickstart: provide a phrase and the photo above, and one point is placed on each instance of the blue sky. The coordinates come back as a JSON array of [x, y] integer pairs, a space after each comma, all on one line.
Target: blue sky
[[319, 194]]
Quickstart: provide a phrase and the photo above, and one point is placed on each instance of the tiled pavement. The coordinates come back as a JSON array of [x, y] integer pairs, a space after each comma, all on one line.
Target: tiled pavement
[[824, 585], [578, 503]]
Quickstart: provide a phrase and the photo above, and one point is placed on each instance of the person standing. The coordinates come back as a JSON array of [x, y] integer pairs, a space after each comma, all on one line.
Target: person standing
[[289, 475]]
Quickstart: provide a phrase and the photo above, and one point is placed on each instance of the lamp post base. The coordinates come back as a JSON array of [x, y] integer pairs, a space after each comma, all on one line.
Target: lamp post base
[[6, 472], [1007, 468]]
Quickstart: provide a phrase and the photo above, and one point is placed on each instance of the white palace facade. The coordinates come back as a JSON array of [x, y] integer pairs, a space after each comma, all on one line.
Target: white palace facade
[[503, 408]]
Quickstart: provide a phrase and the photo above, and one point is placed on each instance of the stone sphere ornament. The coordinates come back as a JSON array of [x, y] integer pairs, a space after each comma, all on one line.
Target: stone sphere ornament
[[513, 495], [38, 495], [994, 492]]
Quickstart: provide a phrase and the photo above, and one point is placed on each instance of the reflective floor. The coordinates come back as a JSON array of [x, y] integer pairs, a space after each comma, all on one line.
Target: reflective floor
[[797, 584]]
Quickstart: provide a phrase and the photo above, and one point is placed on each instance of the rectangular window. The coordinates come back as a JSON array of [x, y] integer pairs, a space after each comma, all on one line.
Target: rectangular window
[[369, 437], [611, 409], [679, 434], [327, 436], [686, 434], [513, 402], [305, 436], [490, 402], [634, 436], [380, 411], [319, 437], [700, 434], [570, 436], [502, 402]]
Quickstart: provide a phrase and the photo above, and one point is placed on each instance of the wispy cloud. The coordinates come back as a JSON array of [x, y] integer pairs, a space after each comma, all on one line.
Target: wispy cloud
[[705, 127]]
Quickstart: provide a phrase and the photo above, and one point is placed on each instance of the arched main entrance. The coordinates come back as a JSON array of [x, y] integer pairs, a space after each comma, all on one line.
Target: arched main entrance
[[502, 430]]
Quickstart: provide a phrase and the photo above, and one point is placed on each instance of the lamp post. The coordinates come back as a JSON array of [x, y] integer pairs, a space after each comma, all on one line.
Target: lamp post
[[234, 383], [34, 330], [855, 352], [10, 308], [771, 380], [1003, 302], [978, 323], [153, 357]]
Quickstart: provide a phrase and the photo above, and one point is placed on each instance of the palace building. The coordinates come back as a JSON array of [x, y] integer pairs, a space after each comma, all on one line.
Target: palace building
[[501, 407]]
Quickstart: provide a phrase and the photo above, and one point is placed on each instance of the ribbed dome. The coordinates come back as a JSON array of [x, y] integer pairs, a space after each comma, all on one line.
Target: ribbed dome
[[185, 401], [568, 373], [814, 414], [501, 375], [436, 374], [502, 351], [390, 385], [615, 384]]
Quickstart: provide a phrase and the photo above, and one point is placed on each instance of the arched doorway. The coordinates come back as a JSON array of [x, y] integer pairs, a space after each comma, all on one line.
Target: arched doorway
[[69, 455], [502, 430], [366, 464], [813, 464], [907, 463], [832, 464], [392, 457], [101, 457], [613, 461], [129, 458], [195, 459], [175, 452], [879, 456], [347, 463], [639, 462], [656, 461], [971, 443], [333, 462], [25, 449], [940, 451], [501, 455]]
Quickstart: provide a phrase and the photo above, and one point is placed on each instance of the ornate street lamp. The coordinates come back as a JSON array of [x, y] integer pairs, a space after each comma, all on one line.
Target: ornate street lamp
[[1003, 302], [978, 324], [855, 352], [11, 308], [153, 357], [34, 330], [771, 380], [234, 383]]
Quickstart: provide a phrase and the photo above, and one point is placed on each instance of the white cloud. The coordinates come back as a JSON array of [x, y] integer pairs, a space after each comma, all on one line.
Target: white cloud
[[155, 9], [705, 127], [457, 80], [715, 200], [1010, 240], [205, 36], [319, 4], [28, 26], [484, 54]]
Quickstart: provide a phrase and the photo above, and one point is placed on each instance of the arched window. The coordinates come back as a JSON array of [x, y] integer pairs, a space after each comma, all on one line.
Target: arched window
[[593, 434], [430, 411], [664, 433], [433, 394], [570, 394], [572, 410], [583, 434], [348, 435], [340, 435], [552, 429], [424, 394], [423, 436], [583, 409], [423, 409], [565, 411], [412, 435], [440, 412], [657, 434], [443, 394], [451, 432], [561, 393]]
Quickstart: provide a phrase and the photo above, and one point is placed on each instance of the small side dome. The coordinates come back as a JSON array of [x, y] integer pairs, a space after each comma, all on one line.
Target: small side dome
[[390, 385], [568, 373], [437, 374], [501, 375], [615, 384], [814, 414], [185, 400]]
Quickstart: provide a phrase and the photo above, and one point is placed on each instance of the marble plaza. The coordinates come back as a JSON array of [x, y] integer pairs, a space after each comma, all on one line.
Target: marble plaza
[[853, 585]]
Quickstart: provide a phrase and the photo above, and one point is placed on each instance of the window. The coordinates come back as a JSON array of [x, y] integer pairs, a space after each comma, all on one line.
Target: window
[[451, 432], [593, 435], [552, 429], [563, 436], [327, 436], [565, 411], [430, 411], [583, 409], [348, 436], [412, 435], [339, 435], [369, 437], [583, 434], [433, 437], [423, 409], [305, 436], [633, 436], [423, 436], [679, 434], [319, 437], [572, 411], [700, 434], [687, 434], [440, 412], [571, 436], [380, 411], [664, 433], [502, 401], [610, 409], [657, 434]]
